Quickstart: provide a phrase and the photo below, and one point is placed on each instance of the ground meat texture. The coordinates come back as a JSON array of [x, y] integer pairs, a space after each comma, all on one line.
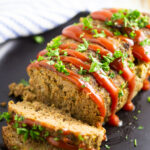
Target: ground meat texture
[[54, 120]]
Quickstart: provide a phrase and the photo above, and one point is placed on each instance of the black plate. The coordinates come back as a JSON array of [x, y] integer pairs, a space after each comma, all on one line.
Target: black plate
[[17, 55]]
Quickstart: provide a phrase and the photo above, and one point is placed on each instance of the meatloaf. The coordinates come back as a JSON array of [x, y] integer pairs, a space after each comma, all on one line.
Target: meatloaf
[[37, 121], [95, 67]]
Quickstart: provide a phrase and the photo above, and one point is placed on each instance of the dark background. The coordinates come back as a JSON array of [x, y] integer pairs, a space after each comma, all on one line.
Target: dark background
[[16, 55]]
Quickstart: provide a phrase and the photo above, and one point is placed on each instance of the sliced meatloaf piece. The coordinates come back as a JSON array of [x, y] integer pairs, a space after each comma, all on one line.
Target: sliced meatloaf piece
[[13, 141], [37, 121]]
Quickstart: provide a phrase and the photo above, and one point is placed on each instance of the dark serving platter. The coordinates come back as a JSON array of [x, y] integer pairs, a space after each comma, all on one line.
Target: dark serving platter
[[15, 55]]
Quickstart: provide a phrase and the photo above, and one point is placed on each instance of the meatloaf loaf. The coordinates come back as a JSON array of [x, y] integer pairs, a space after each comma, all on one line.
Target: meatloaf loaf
[[95, 67], [48, 125]]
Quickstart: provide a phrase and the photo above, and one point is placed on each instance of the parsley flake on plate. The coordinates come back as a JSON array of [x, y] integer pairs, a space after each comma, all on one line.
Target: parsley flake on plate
[[39, 39]]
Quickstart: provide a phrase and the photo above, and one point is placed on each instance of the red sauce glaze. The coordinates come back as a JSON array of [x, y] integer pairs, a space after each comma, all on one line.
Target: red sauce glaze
[[103, 15], [142, 53], [61, 144], [127, 74], [76, 79], [127, 40], [93, 47], [148, 26], [129, 106], [146, 85], [114, 120], [74, 32], [139, 36]]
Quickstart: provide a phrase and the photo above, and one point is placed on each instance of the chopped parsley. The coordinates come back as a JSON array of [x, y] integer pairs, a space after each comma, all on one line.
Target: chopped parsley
[[135, 117], [40, 58], [39, 39], [117, 33], [140, 128], [56, 139], [145, 42], [83, 47], [87, 23], [83, 85], [6, 116], [96, 65], [50, 62], [126, 137], [82, 71], [52, 52], [107, 146], [132, 34], [121, 93], [131, 64], [80, 137], [96, 34], [61, 67], [32, 61], [112, 75], [148, 99], [24, 82], [120, 72], [55, 43], [46, 134], [24, 132], [17, 118], [87, 79], [135, 142], [118, 54], [130, 18]]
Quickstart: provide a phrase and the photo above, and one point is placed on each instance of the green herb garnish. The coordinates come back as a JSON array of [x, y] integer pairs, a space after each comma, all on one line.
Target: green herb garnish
[[135, 142], [107, 146], [148, 99], [82, 71], [96, 34], [132, 34], [55, 43], [56, 139], [117, 33], [145, 42], [80, 138], [121, 93], [135, 117], [40, 58], [131, 64], [87, 23], [140, 128], [61, 67], [130, 18], [6, 116], [24, 82], [39, 39], [87, 79], [83, 47], [112, 75]]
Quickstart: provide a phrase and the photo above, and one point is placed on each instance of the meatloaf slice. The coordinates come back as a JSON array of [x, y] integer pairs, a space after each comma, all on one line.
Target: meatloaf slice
[[42, 123], [13, 141]]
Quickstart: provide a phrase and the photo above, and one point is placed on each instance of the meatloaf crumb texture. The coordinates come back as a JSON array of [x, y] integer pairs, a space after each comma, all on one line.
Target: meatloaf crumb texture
[[55, 120]]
